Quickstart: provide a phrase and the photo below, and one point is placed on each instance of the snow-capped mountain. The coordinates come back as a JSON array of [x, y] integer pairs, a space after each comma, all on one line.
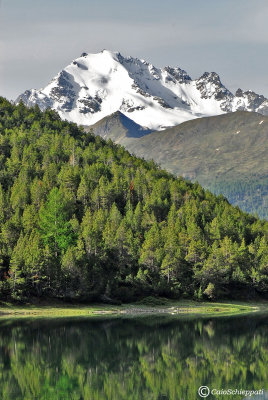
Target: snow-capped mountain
[[96, 85]]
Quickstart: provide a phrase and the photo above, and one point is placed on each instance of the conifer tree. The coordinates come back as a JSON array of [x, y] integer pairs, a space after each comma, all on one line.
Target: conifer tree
[[55, 227]]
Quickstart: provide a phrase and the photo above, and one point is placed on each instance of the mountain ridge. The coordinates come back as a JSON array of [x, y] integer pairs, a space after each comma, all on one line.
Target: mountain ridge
[[94, 86]]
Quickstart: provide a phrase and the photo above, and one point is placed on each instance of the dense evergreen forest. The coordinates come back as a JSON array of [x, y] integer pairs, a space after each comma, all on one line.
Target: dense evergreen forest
[[80, 218], [250, 194]]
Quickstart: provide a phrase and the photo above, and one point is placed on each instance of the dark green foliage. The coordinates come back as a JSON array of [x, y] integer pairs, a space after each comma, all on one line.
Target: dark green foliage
[[250, 193], [54, 225], [80, 218]]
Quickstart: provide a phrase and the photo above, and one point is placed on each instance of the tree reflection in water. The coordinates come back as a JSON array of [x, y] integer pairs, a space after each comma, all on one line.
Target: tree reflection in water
[[131, 359]]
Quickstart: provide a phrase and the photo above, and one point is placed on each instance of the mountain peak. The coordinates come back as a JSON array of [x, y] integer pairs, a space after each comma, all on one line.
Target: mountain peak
[[211, 77], [252, 101], [179, 74], [239, 93], [120, 128], [211, 87]]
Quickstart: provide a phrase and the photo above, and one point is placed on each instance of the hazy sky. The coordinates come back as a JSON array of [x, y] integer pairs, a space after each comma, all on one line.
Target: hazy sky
[[40, 37]]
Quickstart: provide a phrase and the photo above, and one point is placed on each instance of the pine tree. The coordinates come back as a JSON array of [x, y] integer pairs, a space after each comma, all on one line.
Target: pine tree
[[54, 225]]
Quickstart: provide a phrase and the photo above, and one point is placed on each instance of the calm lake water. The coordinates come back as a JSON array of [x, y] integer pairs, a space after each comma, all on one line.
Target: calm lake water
[[131, 359]]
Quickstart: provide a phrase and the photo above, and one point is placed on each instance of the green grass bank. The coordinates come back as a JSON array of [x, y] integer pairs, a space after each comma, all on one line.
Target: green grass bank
[[146, 307]]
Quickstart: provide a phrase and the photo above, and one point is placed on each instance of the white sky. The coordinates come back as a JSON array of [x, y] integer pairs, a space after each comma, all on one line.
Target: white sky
[[40, 37]]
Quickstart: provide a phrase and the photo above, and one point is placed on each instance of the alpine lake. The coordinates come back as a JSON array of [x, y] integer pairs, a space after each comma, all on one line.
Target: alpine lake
[[133, 357]]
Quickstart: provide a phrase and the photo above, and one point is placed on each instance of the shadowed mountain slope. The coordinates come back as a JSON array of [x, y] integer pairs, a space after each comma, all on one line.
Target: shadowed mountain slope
[[119, 128]]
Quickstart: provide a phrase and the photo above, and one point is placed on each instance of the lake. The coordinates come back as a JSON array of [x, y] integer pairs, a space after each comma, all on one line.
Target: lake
[[146, 358]]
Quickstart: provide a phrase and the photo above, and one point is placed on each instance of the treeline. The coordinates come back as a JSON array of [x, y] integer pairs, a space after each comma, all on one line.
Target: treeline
[[80, 218]]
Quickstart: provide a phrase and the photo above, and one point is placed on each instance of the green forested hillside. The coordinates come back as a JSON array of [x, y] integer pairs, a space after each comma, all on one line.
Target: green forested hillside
[[81, 218]]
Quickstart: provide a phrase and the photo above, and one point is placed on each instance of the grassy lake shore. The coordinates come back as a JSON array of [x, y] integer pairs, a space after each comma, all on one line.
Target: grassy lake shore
[[169, 307]]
